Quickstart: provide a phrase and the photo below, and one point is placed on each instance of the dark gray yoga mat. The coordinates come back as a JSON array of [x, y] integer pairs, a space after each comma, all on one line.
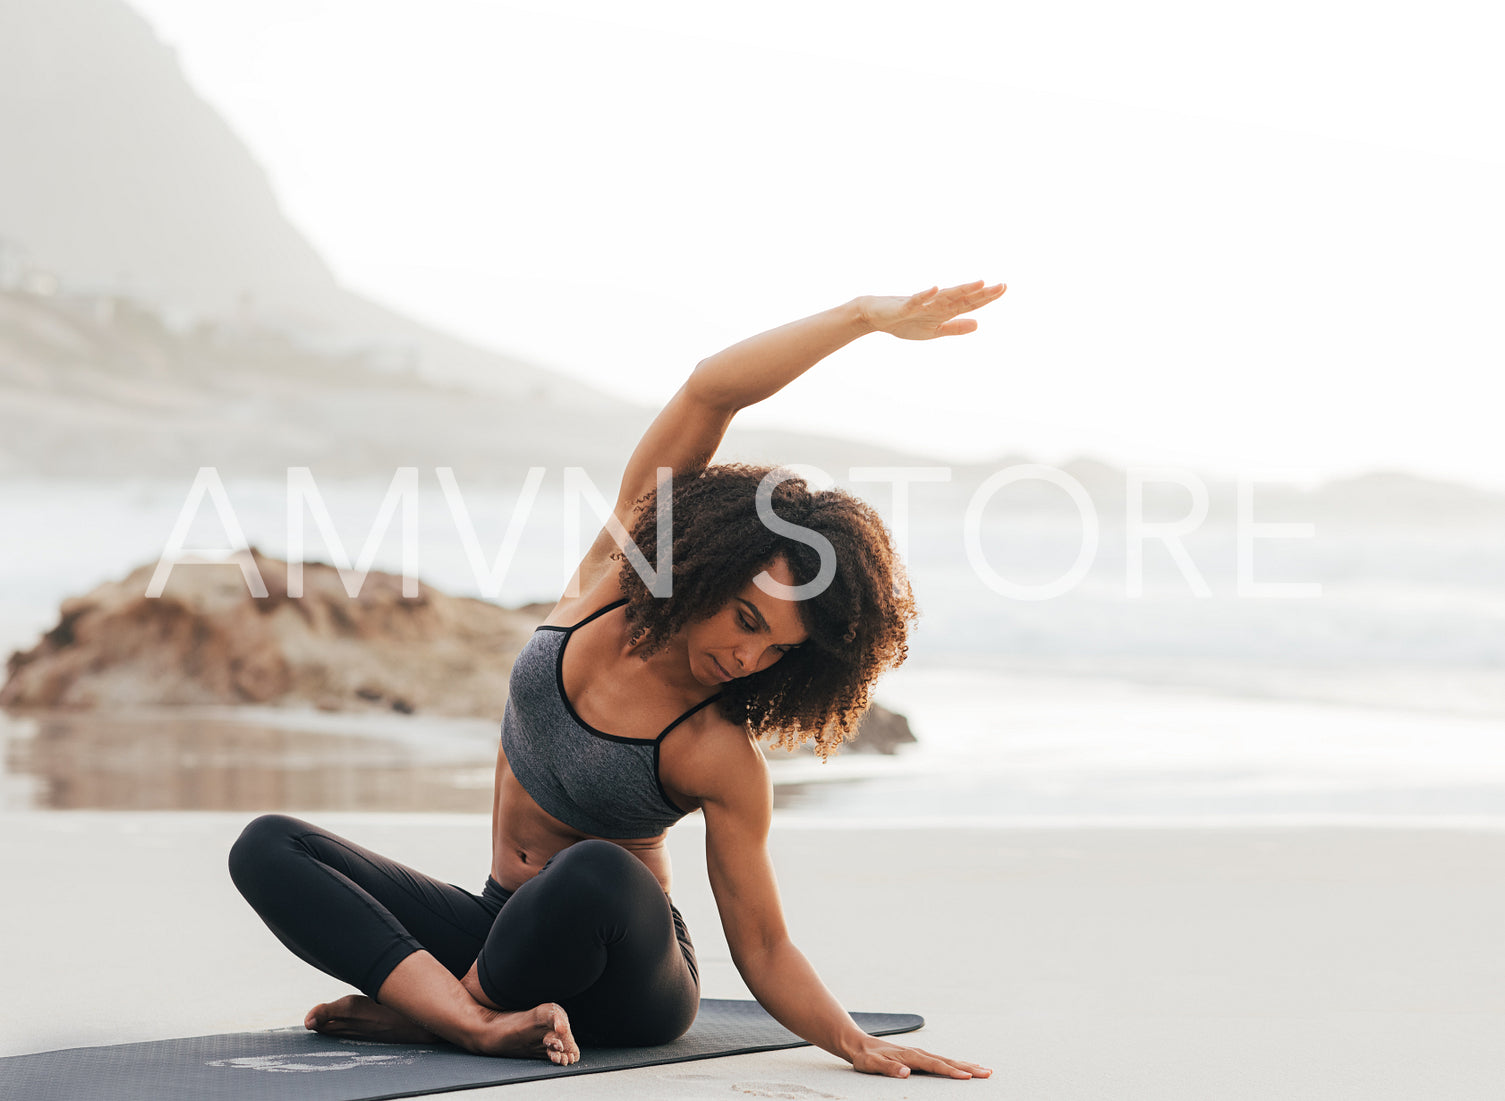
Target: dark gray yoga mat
[[294, 1063]]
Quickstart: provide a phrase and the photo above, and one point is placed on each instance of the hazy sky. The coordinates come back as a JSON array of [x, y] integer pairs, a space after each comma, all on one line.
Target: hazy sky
[[1254, 239]]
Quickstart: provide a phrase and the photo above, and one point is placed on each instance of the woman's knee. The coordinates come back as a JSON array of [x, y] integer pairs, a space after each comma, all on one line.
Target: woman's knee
[[595, 853], [601, 866], [265, 840]]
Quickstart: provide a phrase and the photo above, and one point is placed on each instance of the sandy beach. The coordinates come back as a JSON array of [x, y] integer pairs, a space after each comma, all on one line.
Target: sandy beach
[[1158, 963], [1205, 794]]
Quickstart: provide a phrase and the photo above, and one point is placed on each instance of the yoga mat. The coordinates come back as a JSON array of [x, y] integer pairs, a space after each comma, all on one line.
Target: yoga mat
[[290, 1063]]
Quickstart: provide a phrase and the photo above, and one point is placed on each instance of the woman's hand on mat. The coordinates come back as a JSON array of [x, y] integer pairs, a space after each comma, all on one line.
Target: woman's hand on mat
[[877, 1056], [929, 314]]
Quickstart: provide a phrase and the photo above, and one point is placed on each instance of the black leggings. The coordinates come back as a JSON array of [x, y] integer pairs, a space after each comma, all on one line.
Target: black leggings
[[593, 930]]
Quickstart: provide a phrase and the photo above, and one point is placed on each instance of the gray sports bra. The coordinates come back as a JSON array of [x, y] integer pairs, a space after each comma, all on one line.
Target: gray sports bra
[[595, 782]]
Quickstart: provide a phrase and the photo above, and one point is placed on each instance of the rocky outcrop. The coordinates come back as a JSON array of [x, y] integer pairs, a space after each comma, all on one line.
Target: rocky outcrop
[[207, 640], [881, 731]]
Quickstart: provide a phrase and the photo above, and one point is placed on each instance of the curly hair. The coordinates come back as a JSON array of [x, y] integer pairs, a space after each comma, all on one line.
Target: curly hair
[[858, 626]]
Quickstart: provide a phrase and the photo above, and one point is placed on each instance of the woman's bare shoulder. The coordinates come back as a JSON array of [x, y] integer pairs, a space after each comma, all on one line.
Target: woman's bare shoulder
[[722, 761], [572, 609]]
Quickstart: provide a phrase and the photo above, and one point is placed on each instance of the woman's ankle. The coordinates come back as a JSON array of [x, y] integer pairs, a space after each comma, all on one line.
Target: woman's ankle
[[478, 1032], [424, 991]]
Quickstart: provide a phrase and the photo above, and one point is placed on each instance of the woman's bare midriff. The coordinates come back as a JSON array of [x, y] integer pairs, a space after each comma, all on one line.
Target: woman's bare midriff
[[526, 835]]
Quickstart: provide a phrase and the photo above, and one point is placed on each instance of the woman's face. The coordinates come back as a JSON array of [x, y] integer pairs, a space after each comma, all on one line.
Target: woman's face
[[751, 632]]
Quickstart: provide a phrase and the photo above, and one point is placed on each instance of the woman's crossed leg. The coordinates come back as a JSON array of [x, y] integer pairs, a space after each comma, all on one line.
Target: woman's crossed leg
[[590, 941]]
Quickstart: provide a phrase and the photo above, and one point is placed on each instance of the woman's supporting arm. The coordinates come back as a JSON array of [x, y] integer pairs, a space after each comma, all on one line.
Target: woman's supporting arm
[[785, 984], [738, 806]]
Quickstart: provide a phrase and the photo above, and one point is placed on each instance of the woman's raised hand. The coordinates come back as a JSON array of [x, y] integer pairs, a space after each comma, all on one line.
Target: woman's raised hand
[[929, 314]]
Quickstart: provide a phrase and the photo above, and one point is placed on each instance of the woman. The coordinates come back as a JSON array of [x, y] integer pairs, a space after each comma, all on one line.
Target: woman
[[610, 736]]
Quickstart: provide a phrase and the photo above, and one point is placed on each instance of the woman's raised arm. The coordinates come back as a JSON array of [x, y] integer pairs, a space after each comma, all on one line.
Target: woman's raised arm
[[686, 434], [689, 429]]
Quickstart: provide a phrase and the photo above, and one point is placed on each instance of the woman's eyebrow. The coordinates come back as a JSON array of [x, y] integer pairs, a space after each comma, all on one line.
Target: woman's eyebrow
[[762, 623]]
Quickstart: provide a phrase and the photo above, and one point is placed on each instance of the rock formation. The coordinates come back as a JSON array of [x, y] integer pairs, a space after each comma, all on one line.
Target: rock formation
[[881, 731], [207, 640]]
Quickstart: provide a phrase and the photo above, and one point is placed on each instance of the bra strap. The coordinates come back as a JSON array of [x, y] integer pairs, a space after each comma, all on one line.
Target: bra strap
[[687, 714], [597, 613]]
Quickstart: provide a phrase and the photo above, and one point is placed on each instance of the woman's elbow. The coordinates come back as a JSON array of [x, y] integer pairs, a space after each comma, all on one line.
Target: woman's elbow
[[706, 388], [754, 955]]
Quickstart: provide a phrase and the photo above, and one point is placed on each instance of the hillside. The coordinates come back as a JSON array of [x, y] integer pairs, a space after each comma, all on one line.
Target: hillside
[[120, 179], [158, 312], [103, 388]]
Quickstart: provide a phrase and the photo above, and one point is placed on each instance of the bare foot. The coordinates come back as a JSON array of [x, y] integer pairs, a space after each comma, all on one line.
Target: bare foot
[[540, 1032], [358, 1017]]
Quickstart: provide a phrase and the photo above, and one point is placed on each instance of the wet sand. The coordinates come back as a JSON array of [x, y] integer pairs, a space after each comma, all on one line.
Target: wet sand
[[270, 759], [1159, 963]]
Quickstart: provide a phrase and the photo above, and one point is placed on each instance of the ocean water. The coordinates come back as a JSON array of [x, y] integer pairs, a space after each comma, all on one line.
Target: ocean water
[[1182, 696]]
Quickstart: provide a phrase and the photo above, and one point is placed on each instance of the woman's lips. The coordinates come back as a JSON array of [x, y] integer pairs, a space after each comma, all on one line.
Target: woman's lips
[[725, 676]]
